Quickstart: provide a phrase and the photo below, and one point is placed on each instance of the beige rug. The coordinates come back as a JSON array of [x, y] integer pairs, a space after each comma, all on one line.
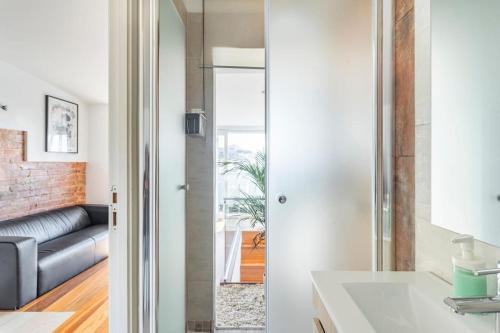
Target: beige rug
[[32, 322]]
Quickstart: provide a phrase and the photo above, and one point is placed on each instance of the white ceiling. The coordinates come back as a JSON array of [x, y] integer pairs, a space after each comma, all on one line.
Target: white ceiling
[[64, 42]]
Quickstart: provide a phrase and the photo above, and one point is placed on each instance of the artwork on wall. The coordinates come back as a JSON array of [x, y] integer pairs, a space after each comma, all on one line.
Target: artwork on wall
[[61, 125]]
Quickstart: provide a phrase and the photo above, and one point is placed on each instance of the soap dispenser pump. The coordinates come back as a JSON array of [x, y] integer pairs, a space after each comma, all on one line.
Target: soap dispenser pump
[[465, 262]]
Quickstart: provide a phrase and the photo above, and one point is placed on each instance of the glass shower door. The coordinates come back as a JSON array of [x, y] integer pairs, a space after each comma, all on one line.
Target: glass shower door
[[172, 172], [320, 149]]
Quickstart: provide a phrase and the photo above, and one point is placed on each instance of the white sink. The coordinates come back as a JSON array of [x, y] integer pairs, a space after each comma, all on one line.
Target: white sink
[[392, 302], [400, 307]]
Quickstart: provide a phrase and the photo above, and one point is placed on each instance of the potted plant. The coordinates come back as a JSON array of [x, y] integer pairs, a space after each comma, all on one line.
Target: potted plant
[[252, 208]]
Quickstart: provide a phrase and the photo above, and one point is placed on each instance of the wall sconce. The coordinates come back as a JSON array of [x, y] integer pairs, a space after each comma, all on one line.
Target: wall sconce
[[3, 107]]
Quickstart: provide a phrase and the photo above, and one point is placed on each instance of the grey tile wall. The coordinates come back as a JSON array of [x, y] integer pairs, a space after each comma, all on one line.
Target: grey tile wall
[[200, 199]]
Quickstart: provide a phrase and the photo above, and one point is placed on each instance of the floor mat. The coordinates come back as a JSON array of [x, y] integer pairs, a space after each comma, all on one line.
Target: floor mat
[[32, 322]]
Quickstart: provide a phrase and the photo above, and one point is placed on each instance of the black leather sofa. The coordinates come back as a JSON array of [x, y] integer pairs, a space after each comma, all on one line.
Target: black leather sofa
[[41, 251]]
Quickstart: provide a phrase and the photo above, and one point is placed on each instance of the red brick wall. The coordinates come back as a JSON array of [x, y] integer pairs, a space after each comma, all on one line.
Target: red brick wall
[[31, 187]]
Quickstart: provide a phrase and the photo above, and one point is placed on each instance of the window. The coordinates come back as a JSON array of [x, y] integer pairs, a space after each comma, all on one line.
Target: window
[[235, 145]]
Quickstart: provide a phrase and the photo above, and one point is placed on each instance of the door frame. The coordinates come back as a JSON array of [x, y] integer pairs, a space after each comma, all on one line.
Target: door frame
[[225, 130], [129, 22], [133, 115], [122, 293]]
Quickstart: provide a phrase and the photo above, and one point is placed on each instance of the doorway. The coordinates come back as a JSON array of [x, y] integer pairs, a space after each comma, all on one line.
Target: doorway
[[240, 218], [318, 178], [54, 166]]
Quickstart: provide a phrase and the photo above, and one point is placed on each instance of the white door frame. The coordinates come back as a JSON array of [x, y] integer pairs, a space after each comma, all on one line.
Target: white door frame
[[133, 83], [122, 318]]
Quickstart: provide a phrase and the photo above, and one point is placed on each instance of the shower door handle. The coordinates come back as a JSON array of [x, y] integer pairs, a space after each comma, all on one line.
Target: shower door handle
[[184, 187], [282, 199]]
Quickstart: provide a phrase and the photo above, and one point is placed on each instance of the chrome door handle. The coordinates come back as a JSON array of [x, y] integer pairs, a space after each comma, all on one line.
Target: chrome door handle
[[184, 187], [282, 199]]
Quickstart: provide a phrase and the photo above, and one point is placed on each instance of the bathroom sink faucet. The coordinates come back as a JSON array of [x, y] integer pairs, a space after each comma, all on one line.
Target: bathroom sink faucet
[[487, 304]]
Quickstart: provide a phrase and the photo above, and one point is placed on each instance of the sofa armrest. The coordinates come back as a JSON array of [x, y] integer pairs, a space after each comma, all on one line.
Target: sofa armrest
[[98, 213], [18, 273]]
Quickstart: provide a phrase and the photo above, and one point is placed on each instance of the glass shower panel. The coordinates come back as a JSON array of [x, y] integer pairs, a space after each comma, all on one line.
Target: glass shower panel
[[320, 149], [172, 171]]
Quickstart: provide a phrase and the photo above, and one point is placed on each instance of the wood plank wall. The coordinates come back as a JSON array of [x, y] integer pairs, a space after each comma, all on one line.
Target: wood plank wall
[[404, 139]]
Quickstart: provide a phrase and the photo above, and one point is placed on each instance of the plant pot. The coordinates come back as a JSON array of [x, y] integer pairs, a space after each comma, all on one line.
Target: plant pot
[[253, 258]]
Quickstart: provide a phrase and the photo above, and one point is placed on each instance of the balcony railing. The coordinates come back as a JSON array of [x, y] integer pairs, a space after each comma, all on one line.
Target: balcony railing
[[232, 237]]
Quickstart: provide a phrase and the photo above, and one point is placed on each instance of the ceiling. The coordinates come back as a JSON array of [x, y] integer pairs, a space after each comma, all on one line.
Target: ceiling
[[64, 42]]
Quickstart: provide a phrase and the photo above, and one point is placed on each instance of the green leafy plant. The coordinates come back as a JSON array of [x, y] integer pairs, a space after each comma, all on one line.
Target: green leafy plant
[[252, 206]]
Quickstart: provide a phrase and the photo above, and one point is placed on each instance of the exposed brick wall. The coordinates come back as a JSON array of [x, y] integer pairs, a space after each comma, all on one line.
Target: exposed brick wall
[[32, 187]]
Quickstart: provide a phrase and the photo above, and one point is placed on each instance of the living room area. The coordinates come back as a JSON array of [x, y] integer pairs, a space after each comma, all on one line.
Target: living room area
[[54, 166]]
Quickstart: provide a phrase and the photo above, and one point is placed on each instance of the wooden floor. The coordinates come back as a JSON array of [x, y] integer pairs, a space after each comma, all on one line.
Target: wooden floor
[[86, 294]]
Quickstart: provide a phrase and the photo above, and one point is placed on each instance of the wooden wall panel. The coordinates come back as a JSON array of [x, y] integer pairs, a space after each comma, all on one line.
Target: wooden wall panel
[[404, 138]]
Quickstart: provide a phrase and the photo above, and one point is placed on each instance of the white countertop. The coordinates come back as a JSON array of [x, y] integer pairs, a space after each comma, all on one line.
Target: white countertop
[[349, 318]]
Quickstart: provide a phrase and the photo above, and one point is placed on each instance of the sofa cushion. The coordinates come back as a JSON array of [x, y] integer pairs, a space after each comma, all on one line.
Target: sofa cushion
[[48, 225], [62, 258], [99, 233]]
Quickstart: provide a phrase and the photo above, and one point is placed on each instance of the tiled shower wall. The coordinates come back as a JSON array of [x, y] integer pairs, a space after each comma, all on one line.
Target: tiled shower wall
[[200, 200], [433, 244], [32, 187]]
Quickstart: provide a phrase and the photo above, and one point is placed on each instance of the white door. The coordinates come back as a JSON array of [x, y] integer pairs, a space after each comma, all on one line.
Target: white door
[[172, 174], [320, 141]]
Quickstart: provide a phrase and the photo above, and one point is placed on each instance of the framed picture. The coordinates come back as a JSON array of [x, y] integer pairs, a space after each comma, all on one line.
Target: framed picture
[[61, 125]]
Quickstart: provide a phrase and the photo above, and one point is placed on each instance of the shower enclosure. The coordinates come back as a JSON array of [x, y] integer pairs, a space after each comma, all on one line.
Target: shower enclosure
[[324, 146]]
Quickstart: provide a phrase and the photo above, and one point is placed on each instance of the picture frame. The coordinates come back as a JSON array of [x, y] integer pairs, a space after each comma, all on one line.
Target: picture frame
[[61, 125]]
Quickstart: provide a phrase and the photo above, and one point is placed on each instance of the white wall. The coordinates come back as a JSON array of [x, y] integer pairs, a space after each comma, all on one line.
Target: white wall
[[240, 98], [98, 155], [24, 94]]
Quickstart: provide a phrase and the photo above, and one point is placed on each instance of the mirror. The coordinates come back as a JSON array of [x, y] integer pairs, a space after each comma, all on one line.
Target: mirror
[[465, 117]]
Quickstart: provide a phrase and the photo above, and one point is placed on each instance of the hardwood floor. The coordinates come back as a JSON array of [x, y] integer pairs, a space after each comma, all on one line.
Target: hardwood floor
[[86, 295]]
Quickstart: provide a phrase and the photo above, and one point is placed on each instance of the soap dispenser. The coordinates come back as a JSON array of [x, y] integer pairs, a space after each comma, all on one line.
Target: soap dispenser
[[465, 262]]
